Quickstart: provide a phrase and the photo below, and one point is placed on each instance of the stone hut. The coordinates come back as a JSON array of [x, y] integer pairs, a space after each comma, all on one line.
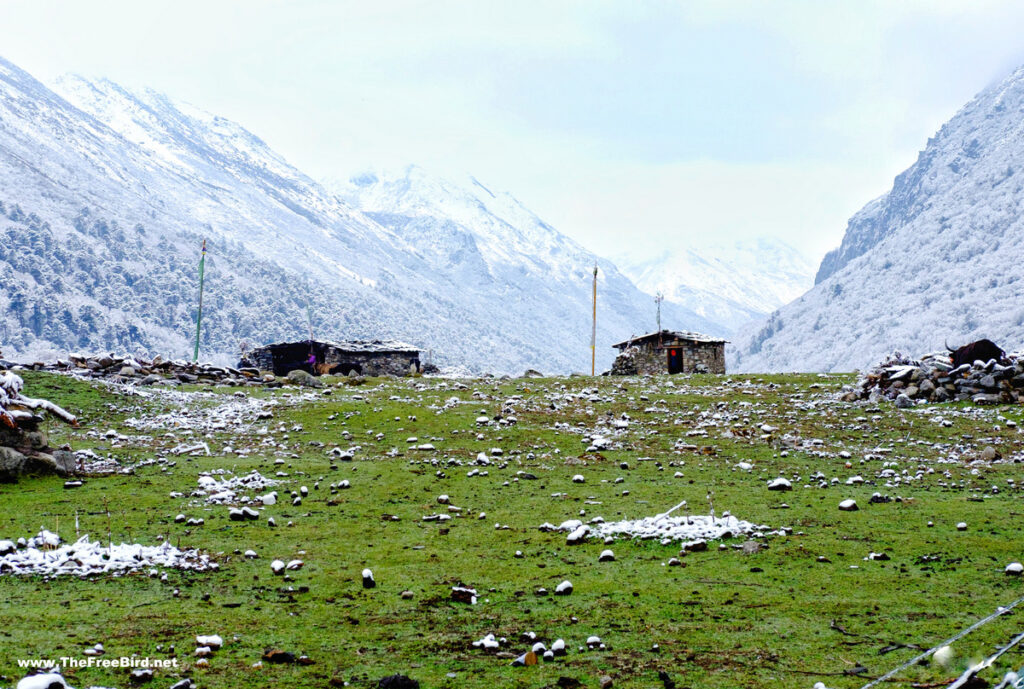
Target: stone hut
[[363, 357], [670, 351]]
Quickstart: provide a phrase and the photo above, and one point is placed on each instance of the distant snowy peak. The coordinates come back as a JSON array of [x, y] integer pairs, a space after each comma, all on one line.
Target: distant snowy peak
[[504, 231], [733, 283]]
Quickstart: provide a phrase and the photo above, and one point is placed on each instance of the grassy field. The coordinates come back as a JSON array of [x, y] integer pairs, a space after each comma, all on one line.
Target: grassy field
[[808, 607]]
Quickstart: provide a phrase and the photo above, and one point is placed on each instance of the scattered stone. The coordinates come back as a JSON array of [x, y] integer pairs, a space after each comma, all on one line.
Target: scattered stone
[[463, 594], [278, 657], [213, 641], [140, 675], [751, 547], [527, 659], [848, 506], [989, 454], [606, 556], [368, 581], [397, 682]]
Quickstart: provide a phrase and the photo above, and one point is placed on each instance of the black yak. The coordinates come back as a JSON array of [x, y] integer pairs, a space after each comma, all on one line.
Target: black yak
[[982, 350]]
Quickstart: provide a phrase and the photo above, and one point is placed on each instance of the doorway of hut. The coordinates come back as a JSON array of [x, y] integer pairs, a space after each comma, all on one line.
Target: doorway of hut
[[675, 360]]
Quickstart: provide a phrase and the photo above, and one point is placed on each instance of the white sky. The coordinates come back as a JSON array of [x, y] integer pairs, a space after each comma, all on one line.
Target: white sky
[[632, 126]]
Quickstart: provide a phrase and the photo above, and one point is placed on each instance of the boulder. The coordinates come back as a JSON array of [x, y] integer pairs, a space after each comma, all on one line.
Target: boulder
[[304, 379], [12, 464], [60, 462]]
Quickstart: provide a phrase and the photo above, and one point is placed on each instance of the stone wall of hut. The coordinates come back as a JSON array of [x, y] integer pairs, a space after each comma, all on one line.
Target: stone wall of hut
[[375, 363], [342, 362], [646, 358], [698, 356]]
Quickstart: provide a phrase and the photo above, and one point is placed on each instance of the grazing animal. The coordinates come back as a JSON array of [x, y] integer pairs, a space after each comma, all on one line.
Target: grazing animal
[[982, 350]]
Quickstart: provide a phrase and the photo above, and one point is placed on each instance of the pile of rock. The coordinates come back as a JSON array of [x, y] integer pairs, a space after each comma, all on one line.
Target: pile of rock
[[934, 379], [23, 446], [158, 371], [625, 364]]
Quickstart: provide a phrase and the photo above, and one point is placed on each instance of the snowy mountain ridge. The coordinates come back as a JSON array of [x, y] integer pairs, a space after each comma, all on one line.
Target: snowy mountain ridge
[[107, 192], [939, 258], [729, 283]]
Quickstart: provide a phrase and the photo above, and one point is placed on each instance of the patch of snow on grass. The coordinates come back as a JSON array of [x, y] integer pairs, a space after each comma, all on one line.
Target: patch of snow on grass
[[227, 490], [668, 529], [85, 558]]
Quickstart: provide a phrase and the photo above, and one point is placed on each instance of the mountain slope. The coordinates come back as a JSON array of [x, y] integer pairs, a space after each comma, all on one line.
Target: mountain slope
[[107, 192], [732, 283], [939, 258], [486, 237]]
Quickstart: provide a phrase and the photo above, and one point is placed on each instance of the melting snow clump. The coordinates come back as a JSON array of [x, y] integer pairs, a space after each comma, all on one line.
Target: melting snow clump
[[667, 529], [43, 554]]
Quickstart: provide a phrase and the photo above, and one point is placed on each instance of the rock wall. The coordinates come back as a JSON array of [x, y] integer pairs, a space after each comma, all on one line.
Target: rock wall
[[934, 379], [378, 364], [702, 357], [25, 450]]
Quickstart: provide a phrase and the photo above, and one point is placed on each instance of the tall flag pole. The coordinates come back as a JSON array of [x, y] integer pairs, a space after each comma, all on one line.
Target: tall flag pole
[[593, 330], [199, 315]]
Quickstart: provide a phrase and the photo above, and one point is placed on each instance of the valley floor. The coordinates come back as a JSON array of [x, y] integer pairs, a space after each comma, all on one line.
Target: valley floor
[[807, 603]]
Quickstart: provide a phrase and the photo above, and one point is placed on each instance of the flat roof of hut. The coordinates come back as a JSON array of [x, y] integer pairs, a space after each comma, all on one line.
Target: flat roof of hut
[[669, 336]]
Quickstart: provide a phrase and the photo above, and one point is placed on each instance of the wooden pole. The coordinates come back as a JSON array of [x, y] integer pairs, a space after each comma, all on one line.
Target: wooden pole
[[593, 330]]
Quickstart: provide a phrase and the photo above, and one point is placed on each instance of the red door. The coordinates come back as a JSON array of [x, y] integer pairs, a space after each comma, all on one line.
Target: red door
[[675, 360]]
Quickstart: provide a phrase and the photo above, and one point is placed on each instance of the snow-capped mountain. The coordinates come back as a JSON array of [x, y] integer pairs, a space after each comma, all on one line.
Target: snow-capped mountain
[[487, 239], [106, 194], [730, 283], [939, 258]]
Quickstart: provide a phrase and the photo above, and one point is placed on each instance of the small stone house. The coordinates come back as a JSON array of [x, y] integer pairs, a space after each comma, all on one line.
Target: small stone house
[[670, 351], [363, 357]]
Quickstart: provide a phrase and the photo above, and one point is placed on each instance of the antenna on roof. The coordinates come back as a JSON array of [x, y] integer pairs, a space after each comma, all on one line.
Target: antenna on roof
[[658, 298]]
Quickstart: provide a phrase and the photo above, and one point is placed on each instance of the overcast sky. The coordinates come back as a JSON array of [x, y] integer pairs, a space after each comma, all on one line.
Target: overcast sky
[[631, 126]]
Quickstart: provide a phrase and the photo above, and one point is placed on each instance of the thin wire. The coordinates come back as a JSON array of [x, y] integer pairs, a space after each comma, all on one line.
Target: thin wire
[[947, 642], [964, 678]]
